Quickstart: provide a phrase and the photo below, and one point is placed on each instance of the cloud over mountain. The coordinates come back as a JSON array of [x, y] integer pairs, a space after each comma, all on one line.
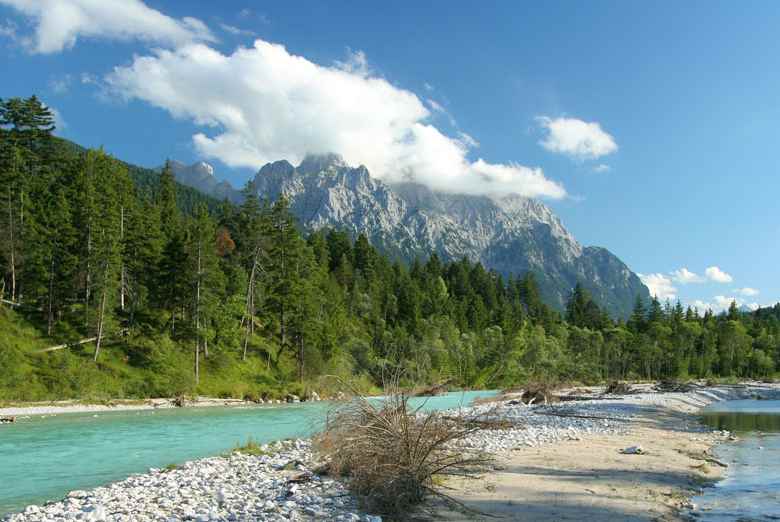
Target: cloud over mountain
[[660, 286], [262, 103]]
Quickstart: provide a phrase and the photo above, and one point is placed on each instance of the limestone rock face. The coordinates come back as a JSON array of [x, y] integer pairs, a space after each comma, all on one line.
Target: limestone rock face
[[512, 234]]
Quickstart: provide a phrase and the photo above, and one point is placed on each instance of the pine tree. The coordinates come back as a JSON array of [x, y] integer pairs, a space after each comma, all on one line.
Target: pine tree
[[638, 320], [206, 280], [105, 255], [170, 216]]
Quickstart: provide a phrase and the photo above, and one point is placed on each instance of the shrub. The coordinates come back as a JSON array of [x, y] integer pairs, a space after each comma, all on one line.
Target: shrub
[[393, 457], [618, 388]]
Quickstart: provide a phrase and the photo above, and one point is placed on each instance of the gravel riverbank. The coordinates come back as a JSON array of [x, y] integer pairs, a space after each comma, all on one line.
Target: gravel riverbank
[[279, 485], [57, 407]]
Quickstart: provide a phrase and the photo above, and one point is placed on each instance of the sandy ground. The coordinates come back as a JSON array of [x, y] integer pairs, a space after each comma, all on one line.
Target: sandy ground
[[590, 480]]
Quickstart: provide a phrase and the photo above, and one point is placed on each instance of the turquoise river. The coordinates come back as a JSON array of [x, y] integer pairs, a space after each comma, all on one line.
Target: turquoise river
[[750, 491], [42, 458]]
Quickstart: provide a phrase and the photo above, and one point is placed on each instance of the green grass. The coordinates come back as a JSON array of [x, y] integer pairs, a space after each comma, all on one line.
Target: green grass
[[133, 368], [250, 448]]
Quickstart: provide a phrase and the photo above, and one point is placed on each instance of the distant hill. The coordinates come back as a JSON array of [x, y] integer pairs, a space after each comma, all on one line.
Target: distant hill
[[147, 182], [200, 176]]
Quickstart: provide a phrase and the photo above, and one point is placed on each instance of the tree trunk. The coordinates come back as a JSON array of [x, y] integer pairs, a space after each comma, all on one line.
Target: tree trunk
[[300, 358], [50, 318], [122, 266], [13, 246], [197, 362], [197, 319], [101, 318], [88, 276], [249, 313]]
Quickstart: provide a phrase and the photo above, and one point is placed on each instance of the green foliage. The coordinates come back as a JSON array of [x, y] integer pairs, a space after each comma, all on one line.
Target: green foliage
[[250, 448], [188, 296]]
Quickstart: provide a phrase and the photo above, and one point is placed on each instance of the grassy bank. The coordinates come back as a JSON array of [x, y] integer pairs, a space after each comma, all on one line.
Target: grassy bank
[[133, 367]]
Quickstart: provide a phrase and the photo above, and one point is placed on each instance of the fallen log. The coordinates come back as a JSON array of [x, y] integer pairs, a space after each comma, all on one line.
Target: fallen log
[[76, 343], [66, 345], [577, 416]]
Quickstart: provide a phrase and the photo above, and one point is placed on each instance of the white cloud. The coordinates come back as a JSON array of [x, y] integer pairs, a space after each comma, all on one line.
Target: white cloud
[[259, 17], [89, 79], [576, 138], [262, 104], [701, 306], [438, 107], [8, 30], [467, 140], [61, 85], [59, 121], [237, 31], [59, 23], [721, 303], [747, 291], [602, 167], [717, 275], [356, 63], [685, 276], [659, 285], [433, 104]]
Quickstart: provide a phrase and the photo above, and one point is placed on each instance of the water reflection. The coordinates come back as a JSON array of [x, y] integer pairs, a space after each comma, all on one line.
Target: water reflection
[[743, 422], [751, 489]]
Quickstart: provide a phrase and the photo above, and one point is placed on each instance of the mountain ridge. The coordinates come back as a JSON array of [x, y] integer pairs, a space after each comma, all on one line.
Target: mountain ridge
[[511, 234]]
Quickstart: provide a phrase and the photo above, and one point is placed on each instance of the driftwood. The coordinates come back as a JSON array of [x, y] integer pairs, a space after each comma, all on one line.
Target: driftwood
[[567, 398], [75, 343], [66, 345], [7, 420], [577, 416], [485, 424], [434, 389]]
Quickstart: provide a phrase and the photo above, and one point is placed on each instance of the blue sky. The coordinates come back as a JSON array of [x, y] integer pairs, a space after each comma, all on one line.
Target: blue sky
[[649, 128]]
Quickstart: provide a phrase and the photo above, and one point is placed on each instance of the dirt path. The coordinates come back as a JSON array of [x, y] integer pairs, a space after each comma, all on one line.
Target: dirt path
[[590, 480]]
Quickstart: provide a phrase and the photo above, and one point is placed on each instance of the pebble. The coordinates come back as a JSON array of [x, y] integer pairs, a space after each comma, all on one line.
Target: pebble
[[235, 488], [243, 488]]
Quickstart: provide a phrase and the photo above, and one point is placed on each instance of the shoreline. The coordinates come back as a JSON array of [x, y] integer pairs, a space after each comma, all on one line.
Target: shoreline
[[74, 406], [590, 478], [561, 461]]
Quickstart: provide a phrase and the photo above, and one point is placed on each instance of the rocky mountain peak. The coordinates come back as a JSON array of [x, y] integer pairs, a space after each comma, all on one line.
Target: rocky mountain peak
[[512, 235], [200, 175], [316, 163], [204, 168]]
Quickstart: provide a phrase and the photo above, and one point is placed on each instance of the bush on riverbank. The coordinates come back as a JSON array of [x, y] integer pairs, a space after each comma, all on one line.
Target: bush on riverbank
[[394, 457]]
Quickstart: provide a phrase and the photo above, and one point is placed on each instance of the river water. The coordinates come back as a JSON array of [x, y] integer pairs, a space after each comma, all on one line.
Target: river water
[[43, 458], [751, 488]]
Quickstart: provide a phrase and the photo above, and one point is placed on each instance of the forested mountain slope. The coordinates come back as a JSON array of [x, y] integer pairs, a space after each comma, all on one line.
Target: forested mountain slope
[[512, 235], [158, 291]]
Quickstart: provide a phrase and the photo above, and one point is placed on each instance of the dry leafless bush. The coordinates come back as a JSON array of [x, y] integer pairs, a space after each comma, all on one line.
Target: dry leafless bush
[[618, 388], [391, 455]]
